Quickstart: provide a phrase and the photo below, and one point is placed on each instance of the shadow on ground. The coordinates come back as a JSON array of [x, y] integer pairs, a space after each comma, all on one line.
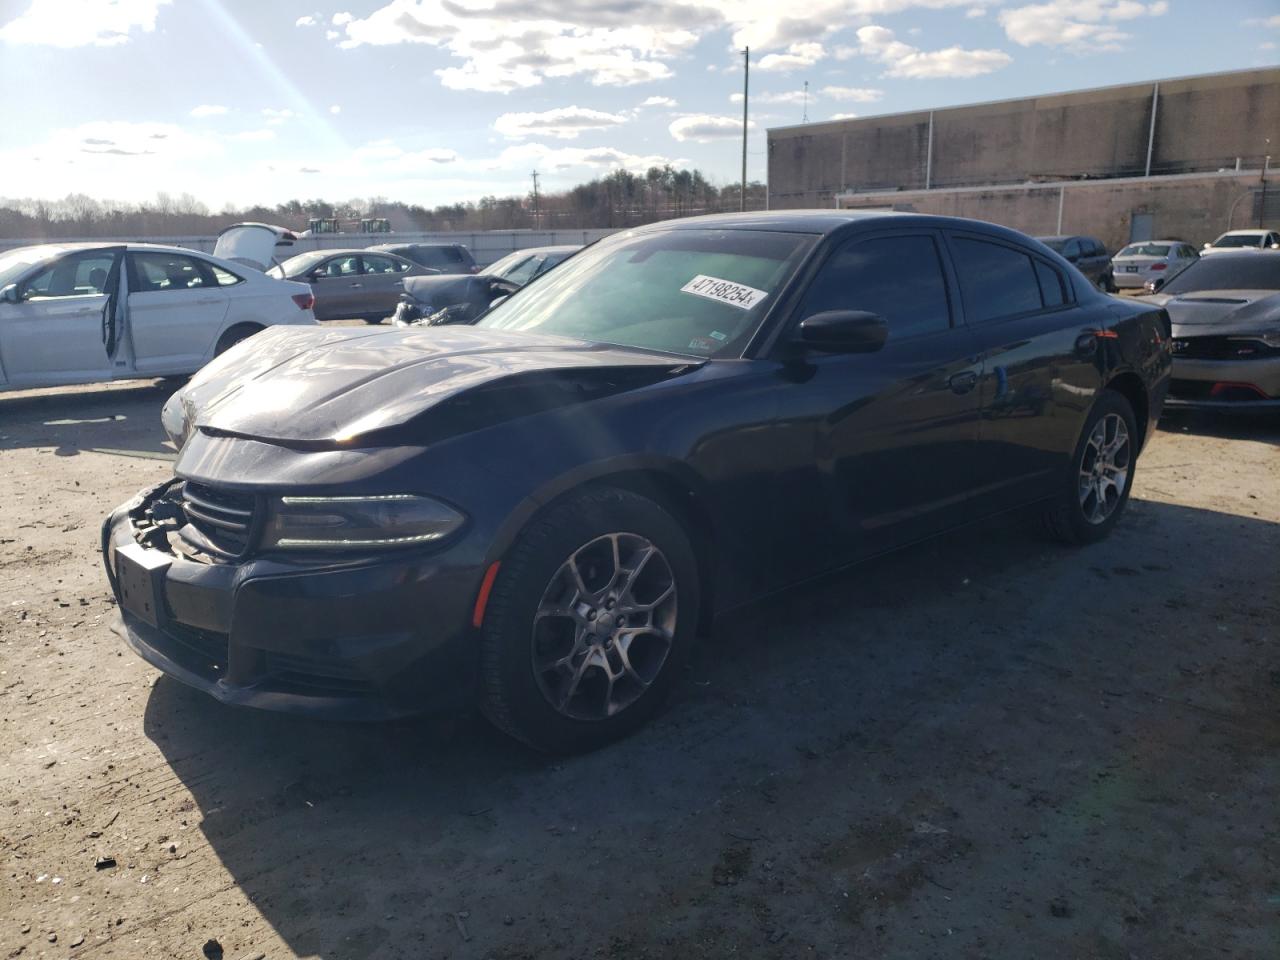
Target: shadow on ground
[[119, 419], [1263, 427], [970, 746]]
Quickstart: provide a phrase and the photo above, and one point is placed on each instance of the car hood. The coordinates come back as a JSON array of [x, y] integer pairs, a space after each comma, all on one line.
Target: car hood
[[1214, 312], [442, 290], [325, 388]]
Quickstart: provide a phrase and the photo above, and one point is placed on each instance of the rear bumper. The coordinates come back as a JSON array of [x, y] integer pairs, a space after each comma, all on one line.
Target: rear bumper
[[369, 639]]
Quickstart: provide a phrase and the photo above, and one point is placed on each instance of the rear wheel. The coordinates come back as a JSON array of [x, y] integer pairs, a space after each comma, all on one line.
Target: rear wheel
[[592, 613], [1100, 476], [233, 336]]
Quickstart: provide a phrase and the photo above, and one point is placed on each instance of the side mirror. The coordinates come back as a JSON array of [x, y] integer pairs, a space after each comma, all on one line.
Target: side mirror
[[10, 294], [844, 331]]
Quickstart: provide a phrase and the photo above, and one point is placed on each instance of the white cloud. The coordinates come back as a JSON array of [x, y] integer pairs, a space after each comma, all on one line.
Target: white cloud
[[853, 94], [257, 136], [904, 60], [81, 23], [563, 123], [798, 55], [305, 21], [277, 117], [1082, 26], [973, 13], [335, 109], [209, 110], [704, 127], [342, 17], [659, 102], [843, 116], [331, 34], [791, 96], [522, 156]]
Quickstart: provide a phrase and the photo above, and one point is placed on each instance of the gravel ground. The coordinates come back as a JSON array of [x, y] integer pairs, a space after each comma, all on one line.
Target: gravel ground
[[986, 747]]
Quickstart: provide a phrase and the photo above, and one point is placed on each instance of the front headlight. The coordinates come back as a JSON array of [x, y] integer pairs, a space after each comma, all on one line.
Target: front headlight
[[358, 523]]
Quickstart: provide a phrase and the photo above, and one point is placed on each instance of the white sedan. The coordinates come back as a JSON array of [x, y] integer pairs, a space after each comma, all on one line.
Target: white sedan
[[89, 312]]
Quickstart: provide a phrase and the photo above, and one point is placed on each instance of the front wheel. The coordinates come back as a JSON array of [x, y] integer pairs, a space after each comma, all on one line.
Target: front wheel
[[593, 610], [234, 336], [1100, 475]]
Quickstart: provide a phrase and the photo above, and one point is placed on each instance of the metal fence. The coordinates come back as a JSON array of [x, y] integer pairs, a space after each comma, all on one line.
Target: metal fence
[[486, 246]]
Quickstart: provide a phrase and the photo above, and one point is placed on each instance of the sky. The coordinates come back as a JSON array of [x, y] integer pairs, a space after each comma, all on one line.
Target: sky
[[440, 101]]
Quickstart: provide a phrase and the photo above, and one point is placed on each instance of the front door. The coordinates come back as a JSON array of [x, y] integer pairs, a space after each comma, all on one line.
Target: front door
[[383, 278], [875, 449], [176, 309], [65, 327], [338, 288]]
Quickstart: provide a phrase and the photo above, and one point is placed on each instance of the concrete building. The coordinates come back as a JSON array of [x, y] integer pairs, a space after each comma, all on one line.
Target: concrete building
[[1174, 158]]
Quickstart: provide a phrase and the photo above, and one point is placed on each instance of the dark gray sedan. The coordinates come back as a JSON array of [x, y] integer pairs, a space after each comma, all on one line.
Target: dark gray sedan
[[351, 284]]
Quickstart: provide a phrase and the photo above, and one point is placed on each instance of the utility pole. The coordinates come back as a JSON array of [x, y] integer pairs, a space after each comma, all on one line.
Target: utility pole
[[535, 199], [805, 118], [1262, 200], [746, 76]]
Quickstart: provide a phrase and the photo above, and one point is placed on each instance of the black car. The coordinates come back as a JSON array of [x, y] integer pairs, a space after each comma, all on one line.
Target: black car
[[438, 257], [437, 300], [1089, 256], [540, 512]]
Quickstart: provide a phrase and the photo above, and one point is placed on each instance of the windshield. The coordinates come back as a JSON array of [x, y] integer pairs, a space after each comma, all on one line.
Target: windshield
[[1145, 250], [1239, 240], [14, 263], [298, 265], [1241, 272], [698, 292]]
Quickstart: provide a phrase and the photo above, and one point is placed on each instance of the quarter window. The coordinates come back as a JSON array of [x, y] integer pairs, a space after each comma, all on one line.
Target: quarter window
[[897, 278], [995, 281], [1051, 292], [223, 278]]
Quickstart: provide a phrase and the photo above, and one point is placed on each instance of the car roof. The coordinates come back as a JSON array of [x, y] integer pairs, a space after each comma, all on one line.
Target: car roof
[[1134, 243], [417, 243], [1064, 237], [1245, 233], [71, 246], [1242, 253]]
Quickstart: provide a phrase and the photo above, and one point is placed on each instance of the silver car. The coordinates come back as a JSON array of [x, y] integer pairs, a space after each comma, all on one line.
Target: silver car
[[1226, 332], [1154, 261], [351, 284]]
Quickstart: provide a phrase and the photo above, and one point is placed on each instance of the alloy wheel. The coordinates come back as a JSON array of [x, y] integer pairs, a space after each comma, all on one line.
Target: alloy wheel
[[604, 626], [1104, 468]]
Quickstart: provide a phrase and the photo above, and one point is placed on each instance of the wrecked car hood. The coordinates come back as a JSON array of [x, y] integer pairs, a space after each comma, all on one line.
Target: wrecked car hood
[[442, 290], [1222, 312], [334, 386]]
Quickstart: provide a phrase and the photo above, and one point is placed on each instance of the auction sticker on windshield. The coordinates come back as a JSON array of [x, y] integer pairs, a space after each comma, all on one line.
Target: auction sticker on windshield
[[724, 291]]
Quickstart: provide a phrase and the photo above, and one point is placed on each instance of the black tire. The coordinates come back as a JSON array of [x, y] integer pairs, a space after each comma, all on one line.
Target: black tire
[[1066, 518], [372, 320], [512, 692], [233, 336]]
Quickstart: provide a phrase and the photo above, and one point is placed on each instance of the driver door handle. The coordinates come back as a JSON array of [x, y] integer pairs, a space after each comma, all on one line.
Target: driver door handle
[[963, 382]]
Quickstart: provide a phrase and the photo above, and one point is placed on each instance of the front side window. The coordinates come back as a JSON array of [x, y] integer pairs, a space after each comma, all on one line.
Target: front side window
[[77, 275], [165, 272], [899, 279], [995, 281], [341, 267], [697, 291]]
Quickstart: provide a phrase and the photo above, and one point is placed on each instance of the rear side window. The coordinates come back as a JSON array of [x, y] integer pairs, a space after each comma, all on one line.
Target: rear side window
[[996, 281], [898, 278]]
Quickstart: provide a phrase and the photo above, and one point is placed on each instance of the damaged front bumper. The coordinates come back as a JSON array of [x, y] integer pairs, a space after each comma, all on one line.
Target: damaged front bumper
[[364, 637]]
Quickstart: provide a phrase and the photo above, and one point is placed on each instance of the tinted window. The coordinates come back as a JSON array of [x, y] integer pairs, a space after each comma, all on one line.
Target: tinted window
[[897, 278], [1239, 240], [341, 267], [384, 265], [1071, 249], [1094, 248], [1145, 250], [79, 275], [524, 272], [163, 272], [1228, 272], [1051, 290], [995, 281]]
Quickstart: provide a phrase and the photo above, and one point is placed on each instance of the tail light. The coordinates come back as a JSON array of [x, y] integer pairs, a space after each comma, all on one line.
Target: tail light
[[1159, 266], [305, 301]]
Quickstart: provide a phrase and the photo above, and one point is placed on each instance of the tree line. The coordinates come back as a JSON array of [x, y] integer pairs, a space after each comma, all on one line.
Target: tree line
[[619, 199]]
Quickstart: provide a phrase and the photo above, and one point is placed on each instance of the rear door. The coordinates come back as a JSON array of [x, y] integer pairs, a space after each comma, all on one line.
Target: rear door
[[1040, 366], [876, 448], [176, 309], [66, 327]]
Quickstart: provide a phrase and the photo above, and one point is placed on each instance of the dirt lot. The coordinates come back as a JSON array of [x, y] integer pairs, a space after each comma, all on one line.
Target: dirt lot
[[988, 747]]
